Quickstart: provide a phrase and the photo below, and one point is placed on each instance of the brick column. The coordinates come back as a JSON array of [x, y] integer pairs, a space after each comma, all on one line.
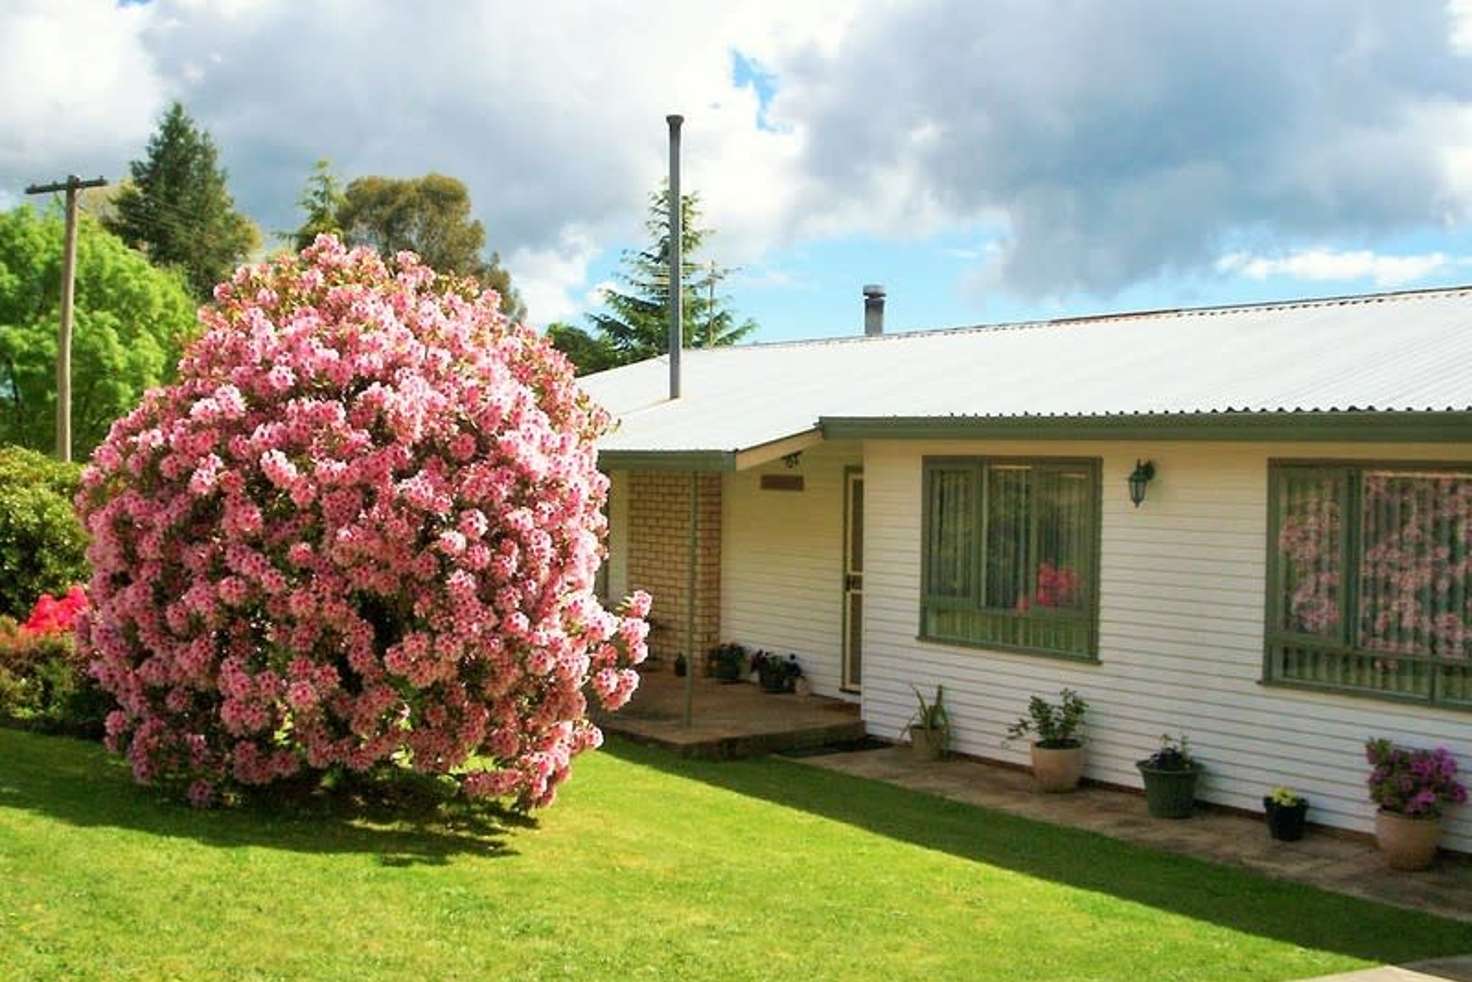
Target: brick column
[[659, 548]]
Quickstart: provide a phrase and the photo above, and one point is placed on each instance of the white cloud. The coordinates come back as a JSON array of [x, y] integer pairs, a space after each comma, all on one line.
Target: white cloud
[[1121, 143], [78, 89], [1327, 264], [548, 278]]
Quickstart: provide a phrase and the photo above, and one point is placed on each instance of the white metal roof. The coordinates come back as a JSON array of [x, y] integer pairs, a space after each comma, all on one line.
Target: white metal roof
[[1405, 352]]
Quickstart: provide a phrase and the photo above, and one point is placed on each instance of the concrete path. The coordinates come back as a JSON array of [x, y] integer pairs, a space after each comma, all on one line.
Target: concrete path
[[1439, 970], [1331, 862]]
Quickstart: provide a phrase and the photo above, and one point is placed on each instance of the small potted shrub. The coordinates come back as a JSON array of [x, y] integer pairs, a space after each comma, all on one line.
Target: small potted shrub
[[1411, 787], [728, 662], [777, 674], [1170, 778], [1058, 745], [930, 726], [1285, 810]]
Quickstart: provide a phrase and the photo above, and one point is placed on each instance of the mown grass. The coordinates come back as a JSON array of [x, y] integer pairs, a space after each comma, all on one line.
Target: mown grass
[[648, 867]]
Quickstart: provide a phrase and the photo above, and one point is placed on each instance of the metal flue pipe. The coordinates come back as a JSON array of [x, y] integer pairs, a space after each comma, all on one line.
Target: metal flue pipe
[[677, 235]]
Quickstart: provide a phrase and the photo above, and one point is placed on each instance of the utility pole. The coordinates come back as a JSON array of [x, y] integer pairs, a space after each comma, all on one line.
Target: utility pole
[[71, 186]]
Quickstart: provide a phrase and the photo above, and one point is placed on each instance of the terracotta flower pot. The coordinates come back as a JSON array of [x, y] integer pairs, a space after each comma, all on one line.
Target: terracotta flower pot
[[1408, 843], [1057, 768], [928, 744]]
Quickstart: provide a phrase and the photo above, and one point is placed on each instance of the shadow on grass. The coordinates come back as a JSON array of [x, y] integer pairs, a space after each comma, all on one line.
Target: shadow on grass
[[404, 822], [1225, 896]]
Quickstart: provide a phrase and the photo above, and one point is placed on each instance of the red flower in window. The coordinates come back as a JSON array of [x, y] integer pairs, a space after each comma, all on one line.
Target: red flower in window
[[1057, 585]]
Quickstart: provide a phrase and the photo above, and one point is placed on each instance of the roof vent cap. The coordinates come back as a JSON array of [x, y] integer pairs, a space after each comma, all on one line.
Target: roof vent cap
[[873, 309]]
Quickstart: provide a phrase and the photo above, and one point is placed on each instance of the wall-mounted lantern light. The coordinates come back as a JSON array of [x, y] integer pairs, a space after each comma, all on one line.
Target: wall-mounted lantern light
[[792, 460], [1143, 474]]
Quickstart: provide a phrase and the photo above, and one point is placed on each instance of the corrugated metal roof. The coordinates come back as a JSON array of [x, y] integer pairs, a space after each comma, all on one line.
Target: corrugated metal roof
[[1408, 351]]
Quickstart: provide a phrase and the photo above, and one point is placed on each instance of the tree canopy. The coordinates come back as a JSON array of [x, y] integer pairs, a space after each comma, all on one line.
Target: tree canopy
[[428, 215], [131, 322], [635, 322], [178, 210]]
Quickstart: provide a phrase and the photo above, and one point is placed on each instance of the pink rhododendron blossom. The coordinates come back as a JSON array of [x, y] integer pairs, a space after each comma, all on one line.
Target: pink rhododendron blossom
[[363, 524]]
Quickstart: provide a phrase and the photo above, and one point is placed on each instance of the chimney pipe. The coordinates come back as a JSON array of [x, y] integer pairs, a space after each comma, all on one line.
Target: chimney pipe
[[677, 234], [873, 309]]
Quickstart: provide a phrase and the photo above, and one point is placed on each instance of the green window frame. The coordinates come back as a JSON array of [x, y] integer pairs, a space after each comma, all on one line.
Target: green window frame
[[1369, 579], [1010, 554]]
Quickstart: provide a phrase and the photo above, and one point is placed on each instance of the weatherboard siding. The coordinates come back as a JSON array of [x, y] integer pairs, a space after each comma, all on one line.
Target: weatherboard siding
[[781, 562], [1181, 591]]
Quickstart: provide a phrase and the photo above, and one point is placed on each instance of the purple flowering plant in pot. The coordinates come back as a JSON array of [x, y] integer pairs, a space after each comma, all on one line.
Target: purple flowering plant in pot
[[1412, 788]]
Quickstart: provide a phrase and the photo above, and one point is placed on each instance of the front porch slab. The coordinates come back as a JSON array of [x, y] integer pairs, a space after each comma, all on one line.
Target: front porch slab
[[730, 719]]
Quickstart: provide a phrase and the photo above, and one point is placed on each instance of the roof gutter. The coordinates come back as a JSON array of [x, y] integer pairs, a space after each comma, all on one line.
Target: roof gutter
[[1345, 426], [715, 461]]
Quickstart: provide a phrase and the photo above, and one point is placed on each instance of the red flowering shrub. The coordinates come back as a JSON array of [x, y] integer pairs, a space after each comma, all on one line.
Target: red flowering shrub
[[363, 524], [44, 682], [53, 616]]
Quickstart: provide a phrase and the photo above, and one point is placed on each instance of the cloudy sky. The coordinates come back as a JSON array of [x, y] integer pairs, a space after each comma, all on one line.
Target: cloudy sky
[[984, 160]]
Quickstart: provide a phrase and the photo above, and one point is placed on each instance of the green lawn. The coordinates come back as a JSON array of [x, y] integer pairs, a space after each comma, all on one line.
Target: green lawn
[[647, 867]]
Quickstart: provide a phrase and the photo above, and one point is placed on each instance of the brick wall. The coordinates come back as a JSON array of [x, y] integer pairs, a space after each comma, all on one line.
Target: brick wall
[[659, 549]]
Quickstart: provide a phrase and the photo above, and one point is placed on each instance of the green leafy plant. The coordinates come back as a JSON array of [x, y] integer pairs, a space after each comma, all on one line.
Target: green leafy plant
[[42, 545], [1054, 727], [777, 674], [44, 683], [1174, 754], [931, 715], [728, 661]]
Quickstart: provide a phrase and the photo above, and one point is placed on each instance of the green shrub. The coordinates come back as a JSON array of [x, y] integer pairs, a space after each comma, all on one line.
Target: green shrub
[[44, 684], [42, 544]]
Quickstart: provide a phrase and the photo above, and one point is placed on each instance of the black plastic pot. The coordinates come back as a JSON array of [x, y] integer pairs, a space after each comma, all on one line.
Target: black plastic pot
[[1169, 794], [1285, 822], [725, 670], [776, 682]]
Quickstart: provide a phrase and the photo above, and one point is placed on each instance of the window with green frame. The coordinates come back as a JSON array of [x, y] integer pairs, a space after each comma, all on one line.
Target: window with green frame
[[1010, 554], [1370, 579]]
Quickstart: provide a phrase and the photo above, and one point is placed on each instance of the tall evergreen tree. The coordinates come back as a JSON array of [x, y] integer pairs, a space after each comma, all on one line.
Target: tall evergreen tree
[[635, 323], [589, 352], [178, 210], [320, 199], [429, 215]]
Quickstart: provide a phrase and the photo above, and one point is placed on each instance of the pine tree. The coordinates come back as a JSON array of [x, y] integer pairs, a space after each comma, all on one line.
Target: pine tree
[[178, 210], [320, 199], [635, 324]]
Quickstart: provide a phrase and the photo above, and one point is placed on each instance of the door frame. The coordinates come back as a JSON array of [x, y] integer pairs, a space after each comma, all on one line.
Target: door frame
[[851, 474]]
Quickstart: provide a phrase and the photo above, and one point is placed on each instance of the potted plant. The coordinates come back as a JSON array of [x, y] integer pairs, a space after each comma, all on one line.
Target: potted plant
[[1411, 787], [777, 674], [1058, 747], [930, 726], [727, 662], [1285, 810], [1170, 778]]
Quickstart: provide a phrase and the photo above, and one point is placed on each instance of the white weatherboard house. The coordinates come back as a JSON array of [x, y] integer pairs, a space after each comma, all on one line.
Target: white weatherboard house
[[954, 507]]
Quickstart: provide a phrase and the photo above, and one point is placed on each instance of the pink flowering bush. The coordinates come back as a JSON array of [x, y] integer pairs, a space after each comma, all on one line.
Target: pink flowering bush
[[1412, 782], [362, 526]]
